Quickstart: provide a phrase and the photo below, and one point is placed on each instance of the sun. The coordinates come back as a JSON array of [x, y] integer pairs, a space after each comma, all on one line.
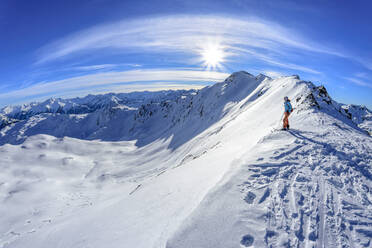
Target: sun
[[212, 56]]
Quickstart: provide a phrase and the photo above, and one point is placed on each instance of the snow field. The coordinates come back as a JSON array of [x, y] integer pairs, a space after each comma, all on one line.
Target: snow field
[[207, 170]]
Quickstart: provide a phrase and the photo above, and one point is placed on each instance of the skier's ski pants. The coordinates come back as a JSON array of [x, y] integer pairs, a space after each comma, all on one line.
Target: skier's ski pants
[[285, 120]]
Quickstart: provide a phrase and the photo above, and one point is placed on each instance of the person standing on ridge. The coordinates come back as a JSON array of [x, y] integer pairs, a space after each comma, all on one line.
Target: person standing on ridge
[[287, 111]]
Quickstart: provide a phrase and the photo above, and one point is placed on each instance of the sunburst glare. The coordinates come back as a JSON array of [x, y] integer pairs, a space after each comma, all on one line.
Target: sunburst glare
[[213, 56]]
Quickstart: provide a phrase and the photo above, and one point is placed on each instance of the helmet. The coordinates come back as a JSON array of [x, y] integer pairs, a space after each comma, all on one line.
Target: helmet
[[286, 98]]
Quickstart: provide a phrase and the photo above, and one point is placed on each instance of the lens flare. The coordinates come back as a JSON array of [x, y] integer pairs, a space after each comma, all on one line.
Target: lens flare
[[212, 56]]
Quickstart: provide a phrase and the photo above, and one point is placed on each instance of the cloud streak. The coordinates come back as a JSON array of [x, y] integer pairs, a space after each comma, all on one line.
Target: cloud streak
[[94, 67], [273, 61], [359, 82], [132, 79], [188, 34]]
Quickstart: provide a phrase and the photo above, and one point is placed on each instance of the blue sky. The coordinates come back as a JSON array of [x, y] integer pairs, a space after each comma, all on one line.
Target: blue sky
[[68, 48]]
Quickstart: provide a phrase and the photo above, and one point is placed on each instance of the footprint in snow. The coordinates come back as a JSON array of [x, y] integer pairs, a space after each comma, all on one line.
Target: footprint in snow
[[269, 234], [270, 172], [249, 198], [247, 240], [264, 196], [66, 160], [302, 179], [41, 156]]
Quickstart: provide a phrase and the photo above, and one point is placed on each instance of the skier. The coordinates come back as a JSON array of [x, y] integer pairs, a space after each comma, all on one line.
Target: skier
[[287, 111]]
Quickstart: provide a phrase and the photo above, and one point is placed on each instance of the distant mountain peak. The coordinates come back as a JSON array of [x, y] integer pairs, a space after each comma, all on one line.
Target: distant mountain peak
[[143, 106]]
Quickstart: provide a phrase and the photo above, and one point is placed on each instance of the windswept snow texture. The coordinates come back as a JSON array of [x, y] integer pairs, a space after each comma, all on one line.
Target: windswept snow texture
[[181, 169]]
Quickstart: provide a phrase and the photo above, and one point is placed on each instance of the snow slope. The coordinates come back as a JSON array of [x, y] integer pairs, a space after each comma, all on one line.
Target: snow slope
[[146, 116], [302, 188], [200, 168]]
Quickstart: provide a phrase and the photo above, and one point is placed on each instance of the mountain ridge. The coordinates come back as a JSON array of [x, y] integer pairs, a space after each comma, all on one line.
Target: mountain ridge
[[206, 169], [138, 107]]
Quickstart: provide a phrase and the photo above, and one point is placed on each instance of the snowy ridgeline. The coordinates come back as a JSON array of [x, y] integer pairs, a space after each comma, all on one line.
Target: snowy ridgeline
[[199, 168], [130, 116]]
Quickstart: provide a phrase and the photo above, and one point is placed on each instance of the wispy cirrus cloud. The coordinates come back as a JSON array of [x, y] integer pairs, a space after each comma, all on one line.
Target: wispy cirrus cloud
[[273, 74], [101, 67], [94, 67], [189, 34], [106, 81], [365, 62], [271, 60], [361, 75], [360, 82]]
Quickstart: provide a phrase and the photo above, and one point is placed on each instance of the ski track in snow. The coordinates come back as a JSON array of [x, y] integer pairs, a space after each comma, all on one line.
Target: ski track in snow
[[319, 190], [308, 192], [238, 182]]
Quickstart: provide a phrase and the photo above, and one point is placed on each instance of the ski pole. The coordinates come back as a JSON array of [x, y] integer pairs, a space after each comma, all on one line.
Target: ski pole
[[281, 119]]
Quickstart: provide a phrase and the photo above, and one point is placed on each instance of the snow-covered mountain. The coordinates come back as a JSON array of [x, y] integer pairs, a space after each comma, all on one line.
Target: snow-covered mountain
[[130, 116], [198, 168]]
